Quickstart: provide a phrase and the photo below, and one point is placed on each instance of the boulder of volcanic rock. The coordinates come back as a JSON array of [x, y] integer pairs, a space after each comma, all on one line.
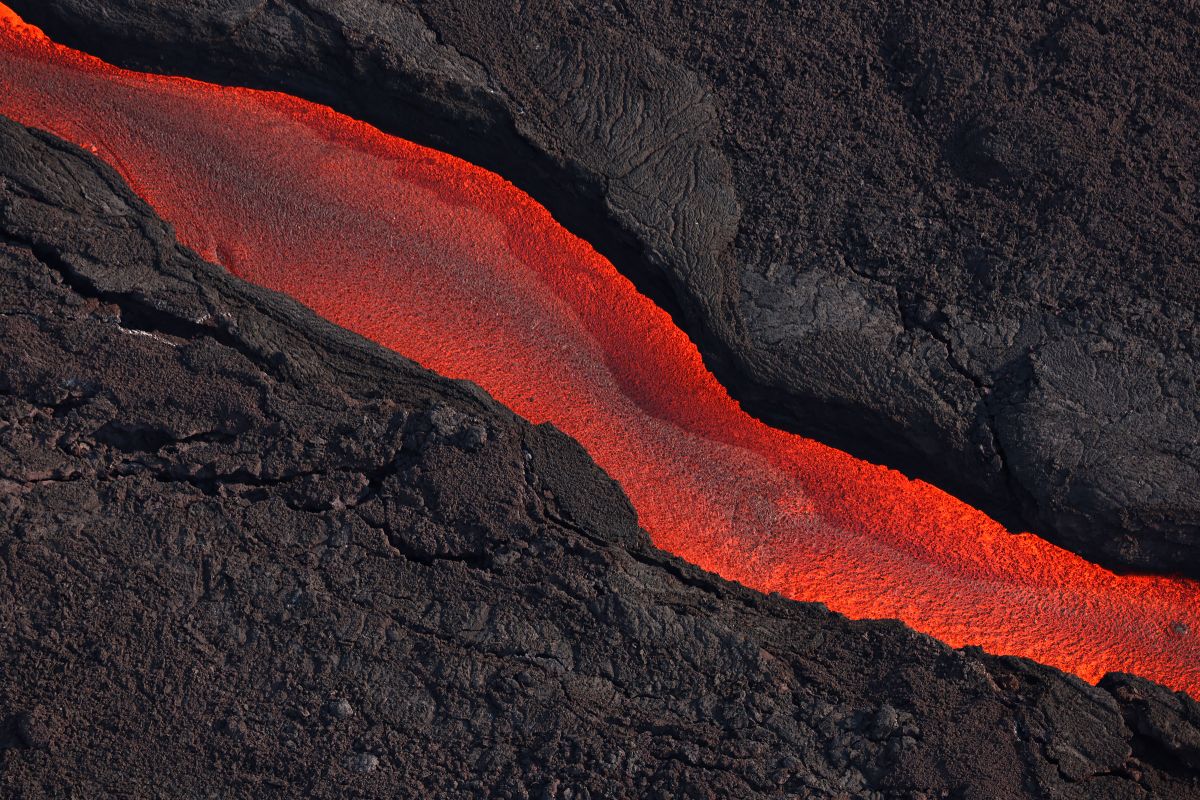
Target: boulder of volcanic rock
[[244, 552], [958, 239]]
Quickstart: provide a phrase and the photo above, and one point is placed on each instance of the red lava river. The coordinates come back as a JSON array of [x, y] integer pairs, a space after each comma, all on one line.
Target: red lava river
[[454, 267]]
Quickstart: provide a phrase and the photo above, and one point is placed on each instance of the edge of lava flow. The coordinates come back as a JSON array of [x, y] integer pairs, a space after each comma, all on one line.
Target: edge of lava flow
[[452, 266]]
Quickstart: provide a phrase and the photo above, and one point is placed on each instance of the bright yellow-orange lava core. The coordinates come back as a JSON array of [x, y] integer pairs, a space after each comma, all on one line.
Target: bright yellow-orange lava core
[[455, 268]]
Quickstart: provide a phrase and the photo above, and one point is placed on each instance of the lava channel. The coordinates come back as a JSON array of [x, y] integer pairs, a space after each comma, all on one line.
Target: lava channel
[[453, 267]]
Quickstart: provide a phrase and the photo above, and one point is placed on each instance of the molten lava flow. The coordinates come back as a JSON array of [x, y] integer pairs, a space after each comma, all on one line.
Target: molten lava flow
[[455, 268]]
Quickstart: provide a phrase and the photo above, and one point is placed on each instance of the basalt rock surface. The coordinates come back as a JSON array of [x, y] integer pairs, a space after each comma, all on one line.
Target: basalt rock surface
[[243, 551], [957, 238]]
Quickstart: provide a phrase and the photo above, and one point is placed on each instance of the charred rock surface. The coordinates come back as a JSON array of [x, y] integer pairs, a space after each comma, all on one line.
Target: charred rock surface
[[244, 551], [955, 238]]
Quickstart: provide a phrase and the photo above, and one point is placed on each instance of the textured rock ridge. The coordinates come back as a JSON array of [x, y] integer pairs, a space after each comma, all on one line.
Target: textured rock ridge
[[244, 551]]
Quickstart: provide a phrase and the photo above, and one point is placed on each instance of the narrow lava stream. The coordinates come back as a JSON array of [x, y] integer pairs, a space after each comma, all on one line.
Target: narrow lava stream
[[454, 267]]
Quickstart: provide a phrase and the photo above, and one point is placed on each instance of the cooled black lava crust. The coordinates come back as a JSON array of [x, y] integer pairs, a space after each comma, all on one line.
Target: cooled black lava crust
[[244, 552], [956, 237]]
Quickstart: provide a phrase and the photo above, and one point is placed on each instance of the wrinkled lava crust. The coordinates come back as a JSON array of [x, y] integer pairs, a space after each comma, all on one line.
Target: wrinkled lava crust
[[244, 552], [955, 239], [452, 266]]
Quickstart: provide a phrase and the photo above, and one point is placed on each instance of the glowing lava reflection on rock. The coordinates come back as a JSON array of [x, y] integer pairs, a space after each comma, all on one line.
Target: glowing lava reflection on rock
[[453, 267]]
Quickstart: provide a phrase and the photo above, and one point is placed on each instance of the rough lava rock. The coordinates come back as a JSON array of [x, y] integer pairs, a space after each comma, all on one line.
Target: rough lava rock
[[243, 551], [957, 238]]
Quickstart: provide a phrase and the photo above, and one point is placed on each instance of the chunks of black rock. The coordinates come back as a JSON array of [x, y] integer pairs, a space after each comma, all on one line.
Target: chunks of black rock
[[363, 763], [339, 709], [34, 729], [954, 240], [173, 620]]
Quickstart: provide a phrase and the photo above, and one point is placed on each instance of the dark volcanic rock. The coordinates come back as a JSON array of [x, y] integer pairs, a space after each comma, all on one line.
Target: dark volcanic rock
[[243, 551], [956, 237]]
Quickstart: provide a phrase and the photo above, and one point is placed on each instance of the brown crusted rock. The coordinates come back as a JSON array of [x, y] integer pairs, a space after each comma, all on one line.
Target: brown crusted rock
[[1168, 721]]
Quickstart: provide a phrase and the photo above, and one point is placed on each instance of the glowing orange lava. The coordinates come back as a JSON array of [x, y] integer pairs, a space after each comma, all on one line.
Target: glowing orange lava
[[455, 268]]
